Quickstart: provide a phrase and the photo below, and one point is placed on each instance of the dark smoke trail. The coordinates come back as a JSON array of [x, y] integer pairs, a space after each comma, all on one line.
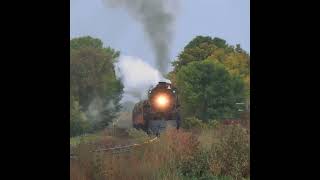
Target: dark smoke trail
[[157, 17]]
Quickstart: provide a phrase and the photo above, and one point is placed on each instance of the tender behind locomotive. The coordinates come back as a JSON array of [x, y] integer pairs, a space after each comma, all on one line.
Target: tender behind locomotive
[[162, 104]]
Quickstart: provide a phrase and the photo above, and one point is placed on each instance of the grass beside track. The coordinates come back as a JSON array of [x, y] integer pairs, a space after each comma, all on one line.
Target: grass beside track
[[75, 141]]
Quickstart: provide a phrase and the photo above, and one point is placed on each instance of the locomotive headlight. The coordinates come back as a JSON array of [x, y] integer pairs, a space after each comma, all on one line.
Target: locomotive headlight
[[162, 100]]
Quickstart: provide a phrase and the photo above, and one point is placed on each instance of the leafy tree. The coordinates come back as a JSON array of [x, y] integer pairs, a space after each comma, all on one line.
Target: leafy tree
[[92, 73], [93, 83], [235, 60], [220, 43], [198, 49], [237, 63], [208, 91], [192, 122], [84, 42], [200, 40]]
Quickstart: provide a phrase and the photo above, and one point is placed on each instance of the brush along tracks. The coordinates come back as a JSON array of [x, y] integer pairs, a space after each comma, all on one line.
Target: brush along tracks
[[120, 148]]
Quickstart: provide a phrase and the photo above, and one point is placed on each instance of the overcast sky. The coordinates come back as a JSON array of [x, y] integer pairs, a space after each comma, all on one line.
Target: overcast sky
[[227, 19]]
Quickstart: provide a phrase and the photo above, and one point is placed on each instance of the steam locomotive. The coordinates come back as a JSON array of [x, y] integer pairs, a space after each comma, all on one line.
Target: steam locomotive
[[162, 106]]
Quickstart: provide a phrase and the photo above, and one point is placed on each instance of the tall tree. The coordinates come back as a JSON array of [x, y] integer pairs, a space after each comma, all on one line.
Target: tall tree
[[235, 60], [200, 48], [237, 63], [196, 50], [208, 91], [93, 83]]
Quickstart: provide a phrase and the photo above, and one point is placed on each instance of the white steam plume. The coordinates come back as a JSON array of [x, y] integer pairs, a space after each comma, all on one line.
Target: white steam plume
[[137, 77]]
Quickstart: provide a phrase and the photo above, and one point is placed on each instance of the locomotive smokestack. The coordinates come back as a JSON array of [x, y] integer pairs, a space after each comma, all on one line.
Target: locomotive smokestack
[[136, 76], [157, 17]]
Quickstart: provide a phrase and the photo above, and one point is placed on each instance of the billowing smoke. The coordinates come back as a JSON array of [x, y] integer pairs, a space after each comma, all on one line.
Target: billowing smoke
[[157, 18], [97, 107], [137, 77]]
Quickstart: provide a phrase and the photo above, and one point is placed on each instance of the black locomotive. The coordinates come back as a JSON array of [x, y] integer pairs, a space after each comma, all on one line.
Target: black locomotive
[[162, 105]]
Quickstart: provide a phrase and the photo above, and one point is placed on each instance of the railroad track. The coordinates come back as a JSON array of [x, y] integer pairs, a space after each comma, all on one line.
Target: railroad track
[[120, 148]]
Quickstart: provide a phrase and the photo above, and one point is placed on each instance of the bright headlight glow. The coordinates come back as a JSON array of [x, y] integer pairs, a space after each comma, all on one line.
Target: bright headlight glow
[[162, 100]]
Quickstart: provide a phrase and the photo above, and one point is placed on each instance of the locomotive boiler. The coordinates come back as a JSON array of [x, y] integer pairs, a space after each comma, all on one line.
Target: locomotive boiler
[[161, 107]]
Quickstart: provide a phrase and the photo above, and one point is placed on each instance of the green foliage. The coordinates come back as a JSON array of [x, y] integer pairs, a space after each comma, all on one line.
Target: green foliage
[[85, 42], [208, 91], [78, 122], [93, 83], [139, 135], [198, 49], [192, 122], [213, 123], [220, 43], [226, 158], [199, 40], [75, 141], [231, 155], [212, 76], [236, 62], [197, 167]]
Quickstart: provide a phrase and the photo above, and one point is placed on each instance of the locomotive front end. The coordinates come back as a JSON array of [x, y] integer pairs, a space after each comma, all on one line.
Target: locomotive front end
[[163, 102], [162, 98], [160, 108]]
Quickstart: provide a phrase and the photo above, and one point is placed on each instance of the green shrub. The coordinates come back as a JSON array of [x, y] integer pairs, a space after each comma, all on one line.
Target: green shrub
[[138, 135], [223, 154], [193, 122], [78, 120], [231, 155], [197, 167], [213, 124]]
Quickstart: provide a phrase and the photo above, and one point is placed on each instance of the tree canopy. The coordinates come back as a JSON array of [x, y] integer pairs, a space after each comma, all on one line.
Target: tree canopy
[[94, 89], [211, 76], [208, 91]]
